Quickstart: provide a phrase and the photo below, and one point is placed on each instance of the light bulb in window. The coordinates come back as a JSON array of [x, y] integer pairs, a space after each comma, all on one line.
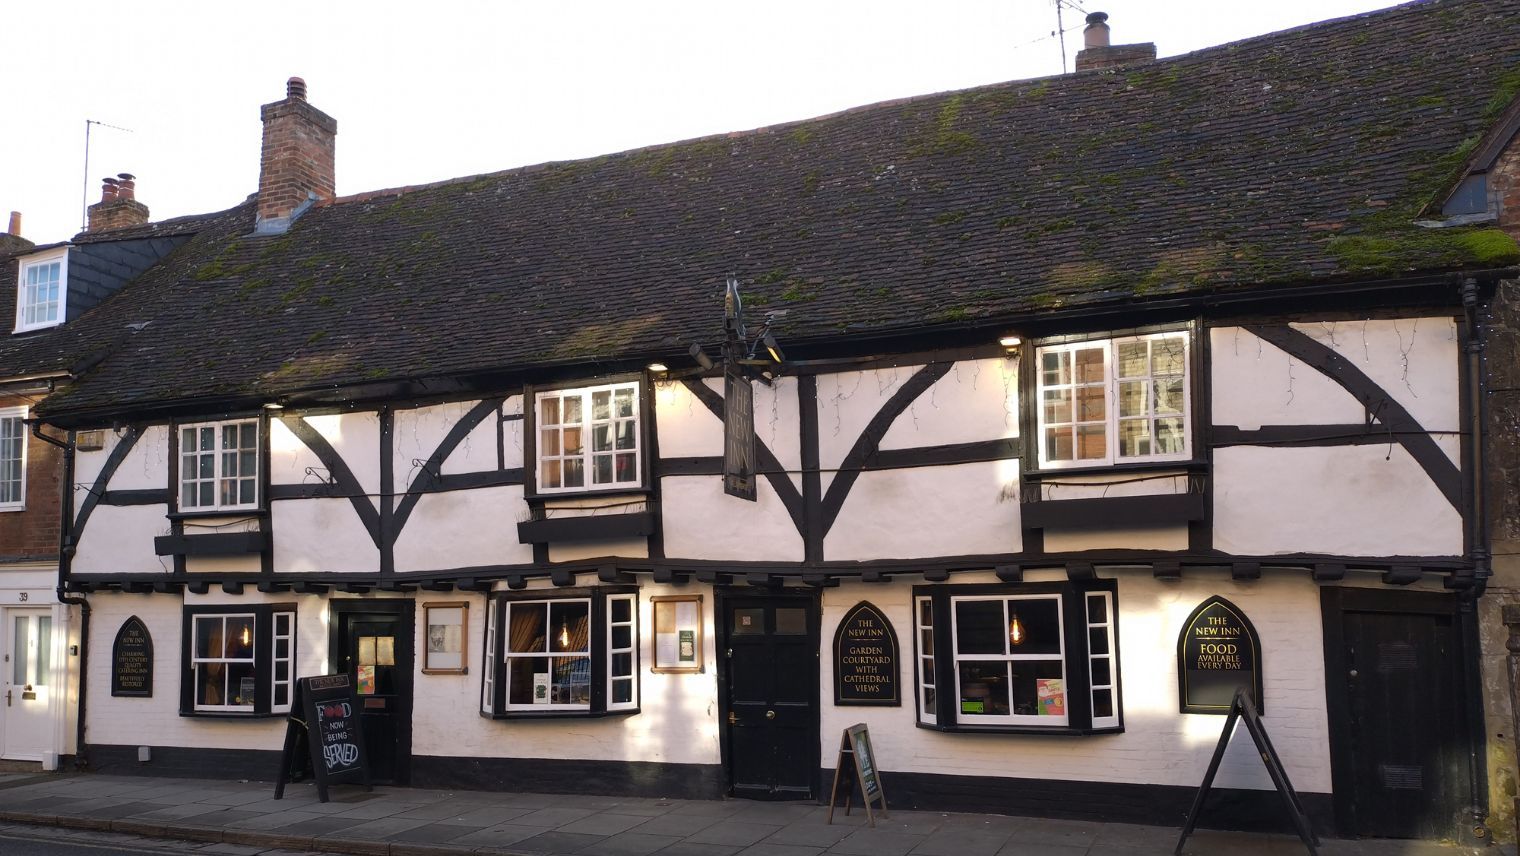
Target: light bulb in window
[[564, 635], [245, 636], [1015, 631]]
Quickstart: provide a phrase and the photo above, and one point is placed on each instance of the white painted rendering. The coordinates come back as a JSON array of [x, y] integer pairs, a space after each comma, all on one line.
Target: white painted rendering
[[1100, 537], [1251, 386], [678, 723], [354, 436], [512, 432], [446, 530], [1159, 745], [1344, 500], [966, 509], [687, 428], [156, 721], [417, 433], [706, 523], [978, 400], [1414, 360], [245, 564], [321, 535], [145, 467], [119, 540], [633, 548]]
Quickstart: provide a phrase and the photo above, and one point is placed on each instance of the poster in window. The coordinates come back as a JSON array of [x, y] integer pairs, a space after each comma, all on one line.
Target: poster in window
[[678, 634], [540, 687], [1050, 693], [447, 625]]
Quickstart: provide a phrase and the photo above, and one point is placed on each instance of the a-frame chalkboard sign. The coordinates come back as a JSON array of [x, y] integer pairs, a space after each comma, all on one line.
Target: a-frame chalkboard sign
[[325, 716], [857, 764], [1244, 708]]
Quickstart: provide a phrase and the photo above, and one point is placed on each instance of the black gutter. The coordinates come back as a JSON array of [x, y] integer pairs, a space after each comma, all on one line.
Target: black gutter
[[65, 554]]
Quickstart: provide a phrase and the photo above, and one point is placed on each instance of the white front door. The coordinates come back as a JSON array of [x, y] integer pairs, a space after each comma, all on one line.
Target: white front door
[[25, 675]]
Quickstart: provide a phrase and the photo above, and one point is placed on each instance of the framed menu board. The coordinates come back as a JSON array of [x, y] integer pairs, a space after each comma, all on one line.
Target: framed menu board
[[677, 634], [447, 625]]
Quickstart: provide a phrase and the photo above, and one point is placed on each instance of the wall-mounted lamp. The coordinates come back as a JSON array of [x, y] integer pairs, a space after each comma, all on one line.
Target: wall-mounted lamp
[[701, 357], [658, 368], [273, 405], [772, 348], [1010, 342]]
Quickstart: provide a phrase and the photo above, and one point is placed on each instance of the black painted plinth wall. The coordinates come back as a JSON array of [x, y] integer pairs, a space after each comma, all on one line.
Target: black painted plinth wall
[[562, 776]]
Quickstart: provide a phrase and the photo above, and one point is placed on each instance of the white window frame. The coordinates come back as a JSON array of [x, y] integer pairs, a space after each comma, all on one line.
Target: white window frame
[[18, 414], [927, 712], [1111, 419], [1106, 626], [186, 475], [59, 257], [196, 661], [632, 650], [1060, 657], [507, 655], [588, 426], [287, 634], [488, 682]]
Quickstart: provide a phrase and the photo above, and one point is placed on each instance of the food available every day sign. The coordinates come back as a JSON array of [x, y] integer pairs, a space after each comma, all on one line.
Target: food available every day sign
[[865, 659], [1217, 651]]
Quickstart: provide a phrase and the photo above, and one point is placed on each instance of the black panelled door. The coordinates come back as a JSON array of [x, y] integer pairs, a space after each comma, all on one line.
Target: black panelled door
[[1399, 728], [770, 662], [375, 649]]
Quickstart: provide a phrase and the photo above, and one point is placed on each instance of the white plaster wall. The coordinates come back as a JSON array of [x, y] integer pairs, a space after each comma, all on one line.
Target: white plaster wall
[[512, 432], [321, 535], [1159, 745], [687, 428], [569, 551], [1414, 360], [461, 528], [418, 432], [1347, 500], [1100, 537], [156, 721], [354, 436], [119, 539], [978, 400], [145, 467], [702, 522], [678, 722], [959, 510]]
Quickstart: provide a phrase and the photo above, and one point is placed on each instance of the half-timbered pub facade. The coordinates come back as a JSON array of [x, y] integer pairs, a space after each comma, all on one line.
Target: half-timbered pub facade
[[1023, 424]]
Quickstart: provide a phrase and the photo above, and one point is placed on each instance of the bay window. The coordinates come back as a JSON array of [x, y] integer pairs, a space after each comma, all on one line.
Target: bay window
[[238, 661], [1123, 400], [588, 438], [1032, 657], [562, 653]]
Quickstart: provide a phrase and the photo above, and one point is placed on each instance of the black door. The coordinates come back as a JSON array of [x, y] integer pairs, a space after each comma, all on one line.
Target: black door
[[373, 644], [1396, 681], [770, 693]]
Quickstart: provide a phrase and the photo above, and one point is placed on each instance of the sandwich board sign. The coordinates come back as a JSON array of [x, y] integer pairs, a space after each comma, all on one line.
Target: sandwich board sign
[[325, 716], [857, 764]]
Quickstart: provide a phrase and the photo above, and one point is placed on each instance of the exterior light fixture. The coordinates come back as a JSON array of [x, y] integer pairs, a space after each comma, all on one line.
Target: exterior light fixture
[[658, 368], [1010, 342], [274, 405], [701, 357], [772, 348], [1015, 631]]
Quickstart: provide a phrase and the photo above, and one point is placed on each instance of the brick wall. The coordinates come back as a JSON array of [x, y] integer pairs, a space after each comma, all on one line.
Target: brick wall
[[298, 154], [34, 531]]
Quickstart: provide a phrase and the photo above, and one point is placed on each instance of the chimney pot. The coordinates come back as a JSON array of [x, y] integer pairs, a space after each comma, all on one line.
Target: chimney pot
[[295, 89], [107, 189], [15, 227], [118, 206], [1095, 34]]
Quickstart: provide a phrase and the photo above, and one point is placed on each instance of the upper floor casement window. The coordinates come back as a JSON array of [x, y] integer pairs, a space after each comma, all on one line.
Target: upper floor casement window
[[12, 458], [219, 465], [1035, 657], [589, 439], [238, 661], [562, 653], [41, 290], [1113, 401]]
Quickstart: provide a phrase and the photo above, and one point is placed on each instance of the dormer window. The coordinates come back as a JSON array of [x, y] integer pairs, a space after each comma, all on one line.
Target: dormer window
[[41, 290]]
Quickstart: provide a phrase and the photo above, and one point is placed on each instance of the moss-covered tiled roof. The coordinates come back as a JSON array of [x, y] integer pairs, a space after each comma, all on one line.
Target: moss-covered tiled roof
[[1296, 158]]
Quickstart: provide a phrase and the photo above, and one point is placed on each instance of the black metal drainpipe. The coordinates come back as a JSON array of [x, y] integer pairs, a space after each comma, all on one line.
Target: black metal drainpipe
[[1472, 305], [65, 554]]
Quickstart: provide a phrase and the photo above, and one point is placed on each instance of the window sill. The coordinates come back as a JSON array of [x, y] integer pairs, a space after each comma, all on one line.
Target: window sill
[[586, 527], [254, 511], [5, 508], [1054, 731], [1190, 465], [598, 493], [215, 714], [561, 714]]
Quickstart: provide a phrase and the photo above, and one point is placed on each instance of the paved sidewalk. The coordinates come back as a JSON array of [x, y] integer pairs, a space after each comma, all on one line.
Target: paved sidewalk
[[242, 818]]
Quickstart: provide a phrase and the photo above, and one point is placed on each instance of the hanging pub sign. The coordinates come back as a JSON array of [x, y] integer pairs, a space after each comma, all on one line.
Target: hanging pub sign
[[132, 660], [865, 659], [324, 716], [738, 434], [1217, 653]]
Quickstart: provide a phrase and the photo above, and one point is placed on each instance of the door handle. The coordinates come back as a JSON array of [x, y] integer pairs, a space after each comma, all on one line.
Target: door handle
[[733, 718], [7, 698], [770, 714]]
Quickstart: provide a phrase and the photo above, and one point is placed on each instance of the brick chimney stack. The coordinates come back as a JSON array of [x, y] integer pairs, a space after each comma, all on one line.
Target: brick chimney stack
[[11, 242], [1098, 53], [296, 167], [118, 206]]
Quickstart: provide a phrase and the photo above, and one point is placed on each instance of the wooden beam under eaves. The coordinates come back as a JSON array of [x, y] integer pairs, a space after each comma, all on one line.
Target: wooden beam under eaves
[[516, 581], [818, 579], [232, 587], [875, 577], [610, 574], [936, 575], [1166, 569], [355, 588], [1010, 573], [397, 585], [666, 576], [197, 586], [1081, 571], [1329, 572], [1402, 575], [305, 587], [562, 577], [715, 578], [1245, 571]]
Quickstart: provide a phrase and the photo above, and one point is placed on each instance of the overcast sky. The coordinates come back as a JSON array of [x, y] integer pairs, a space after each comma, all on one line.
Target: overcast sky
[[424, 91]]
